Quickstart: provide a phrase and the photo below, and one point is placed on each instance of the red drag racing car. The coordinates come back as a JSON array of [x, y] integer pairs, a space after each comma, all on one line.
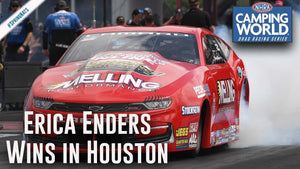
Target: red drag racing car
[[189, 80]]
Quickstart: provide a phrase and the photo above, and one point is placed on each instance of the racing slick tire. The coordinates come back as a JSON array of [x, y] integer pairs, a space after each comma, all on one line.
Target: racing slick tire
[[244, 99]]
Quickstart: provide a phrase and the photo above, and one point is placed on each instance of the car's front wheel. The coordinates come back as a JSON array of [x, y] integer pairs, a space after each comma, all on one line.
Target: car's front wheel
[[195, 152]]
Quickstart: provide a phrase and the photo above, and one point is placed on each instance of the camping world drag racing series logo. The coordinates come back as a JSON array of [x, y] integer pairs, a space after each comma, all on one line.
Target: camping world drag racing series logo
[[262, 23]]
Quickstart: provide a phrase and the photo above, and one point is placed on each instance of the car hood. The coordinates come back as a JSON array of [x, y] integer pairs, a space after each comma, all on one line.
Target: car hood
[[112, 76]]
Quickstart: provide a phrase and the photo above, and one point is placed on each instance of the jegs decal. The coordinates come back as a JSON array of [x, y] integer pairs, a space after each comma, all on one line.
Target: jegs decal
[[182, 132]]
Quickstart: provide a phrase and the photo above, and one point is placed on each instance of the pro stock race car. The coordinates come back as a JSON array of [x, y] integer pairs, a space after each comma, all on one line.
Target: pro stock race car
[[188, 80]]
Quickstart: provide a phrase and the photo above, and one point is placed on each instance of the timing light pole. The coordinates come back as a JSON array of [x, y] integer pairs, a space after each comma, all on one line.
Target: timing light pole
[[104, 15], [94, 14]]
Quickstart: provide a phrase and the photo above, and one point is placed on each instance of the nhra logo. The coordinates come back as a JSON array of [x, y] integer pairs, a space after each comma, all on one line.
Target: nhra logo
[[262, 7], [262, 23]]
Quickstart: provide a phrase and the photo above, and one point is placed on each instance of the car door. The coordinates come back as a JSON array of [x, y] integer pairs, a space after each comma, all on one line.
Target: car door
[[222, 80]]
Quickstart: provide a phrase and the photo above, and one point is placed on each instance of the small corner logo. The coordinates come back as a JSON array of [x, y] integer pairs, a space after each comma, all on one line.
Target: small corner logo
[[262, 7], [262, 23]]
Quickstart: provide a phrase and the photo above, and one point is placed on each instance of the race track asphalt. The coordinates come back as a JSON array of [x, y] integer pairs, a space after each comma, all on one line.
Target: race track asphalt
[[257, 157]]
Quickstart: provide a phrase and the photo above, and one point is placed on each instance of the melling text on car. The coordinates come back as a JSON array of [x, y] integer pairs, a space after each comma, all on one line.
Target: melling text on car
[[188, 80]]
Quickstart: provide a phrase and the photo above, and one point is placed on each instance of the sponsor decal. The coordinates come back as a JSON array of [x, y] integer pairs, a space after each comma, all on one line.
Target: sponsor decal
[[212, 138], [262, 23], [227, 109], [194, 127], [202, 90], [115, 65], [239, 72], [224, 131], [182, 132], [190, 110], [151, 58], [236, 120], [219, 133], [226, 91], [182, 143], [225, 135], [214, 103], [104, 80], [193, 141]]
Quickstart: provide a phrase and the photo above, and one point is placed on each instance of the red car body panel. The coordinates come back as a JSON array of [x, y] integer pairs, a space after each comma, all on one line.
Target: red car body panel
[[184, 83]]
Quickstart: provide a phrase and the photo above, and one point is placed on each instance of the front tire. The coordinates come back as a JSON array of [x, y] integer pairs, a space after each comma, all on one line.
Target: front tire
[[196, 152]]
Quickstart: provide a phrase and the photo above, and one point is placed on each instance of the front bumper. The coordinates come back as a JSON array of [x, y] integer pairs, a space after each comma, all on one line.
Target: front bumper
[[161, 124]]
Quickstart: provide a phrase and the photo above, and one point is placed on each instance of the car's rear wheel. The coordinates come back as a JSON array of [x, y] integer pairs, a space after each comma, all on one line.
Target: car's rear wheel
[[244, 99]]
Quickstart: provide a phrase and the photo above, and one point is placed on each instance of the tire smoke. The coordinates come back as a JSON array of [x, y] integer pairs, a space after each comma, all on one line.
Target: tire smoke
[[273, 69]]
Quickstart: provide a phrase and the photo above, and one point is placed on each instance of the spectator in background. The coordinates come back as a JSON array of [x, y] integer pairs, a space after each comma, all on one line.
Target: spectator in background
[[196, 17], [228, 17], [176, 20], [60, 30], [147, 12], [36, 49], [278, 3], [120, 21], [17, 40], [149, 21], [137, 15]]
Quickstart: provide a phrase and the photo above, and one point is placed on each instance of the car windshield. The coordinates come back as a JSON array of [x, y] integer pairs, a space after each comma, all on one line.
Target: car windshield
[[173, 46]]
